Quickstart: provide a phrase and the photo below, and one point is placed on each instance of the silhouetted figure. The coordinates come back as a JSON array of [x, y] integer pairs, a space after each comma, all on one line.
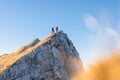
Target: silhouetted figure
[[53, 31], [56, 28]]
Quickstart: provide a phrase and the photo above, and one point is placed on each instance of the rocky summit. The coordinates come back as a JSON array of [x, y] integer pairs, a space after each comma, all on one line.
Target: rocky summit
[[54, 58]]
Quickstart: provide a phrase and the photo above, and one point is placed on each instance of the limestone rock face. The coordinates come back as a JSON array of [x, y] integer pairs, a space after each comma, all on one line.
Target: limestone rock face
[[53, 58]]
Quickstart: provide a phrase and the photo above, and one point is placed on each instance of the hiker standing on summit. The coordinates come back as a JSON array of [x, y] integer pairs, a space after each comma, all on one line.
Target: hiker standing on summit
[[53, 31], [56, 28]]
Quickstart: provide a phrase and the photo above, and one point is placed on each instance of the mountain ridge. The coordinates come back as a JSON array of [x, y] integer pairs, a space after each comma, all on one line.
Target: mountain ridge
[[20, 51], [54, 56]]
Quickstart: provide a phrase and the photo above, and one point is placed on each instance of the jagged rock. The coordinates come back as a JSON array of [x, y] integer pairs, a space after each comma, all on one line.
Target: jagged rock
[[53, 58], [31, 44]]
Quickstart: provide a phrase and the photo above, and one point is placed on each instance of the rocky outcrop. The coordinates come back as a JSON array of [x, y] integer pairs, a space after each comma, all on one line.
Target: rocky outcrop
[[31, 44], [53, 58]]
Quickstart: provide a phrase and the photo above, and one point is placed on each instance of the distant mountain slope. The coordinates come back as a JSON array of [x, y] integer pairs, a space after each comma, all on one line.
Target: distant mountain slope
[[53, 58]]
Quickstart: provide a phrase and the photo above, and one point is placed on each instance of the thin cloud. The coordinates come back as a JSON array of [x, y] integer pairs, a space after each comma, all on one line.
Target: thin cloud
[[91, 22], [106, 38]]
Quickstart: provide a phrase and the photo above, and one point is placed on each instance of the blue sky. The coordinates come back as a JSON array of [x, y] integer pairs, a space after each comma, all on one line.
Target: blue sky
[[92, 25]]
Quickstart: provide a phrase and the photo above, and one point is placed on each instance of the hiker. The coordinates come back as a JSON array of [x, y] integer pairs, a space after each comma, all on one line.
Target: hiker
[[56, 28], [53, 31]]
